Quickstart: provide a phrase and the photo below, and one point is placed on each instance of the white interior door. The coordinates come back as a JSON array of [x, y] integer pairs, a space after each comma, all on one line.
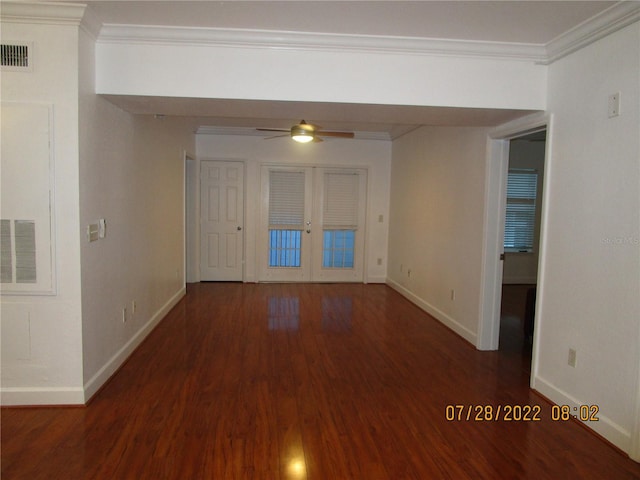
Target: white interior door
[[312, 226], [222, 216]]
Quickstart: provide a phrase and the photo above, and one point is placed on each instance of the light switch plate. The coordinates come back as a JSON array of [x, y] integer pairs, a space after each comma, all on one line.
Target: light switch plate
[[92, 232]]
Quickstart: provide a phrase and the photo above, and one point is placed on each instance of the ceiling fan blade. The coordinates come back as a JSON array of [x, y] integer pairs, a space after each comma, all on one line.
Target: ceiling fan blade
[[276, 136], [336, 134], [273, 129]]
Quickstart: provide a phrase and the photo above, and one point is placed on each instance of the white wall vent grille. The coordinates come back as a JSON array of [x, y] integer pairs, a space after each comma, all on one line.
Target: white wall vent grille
[[18, 251], [15, 57]]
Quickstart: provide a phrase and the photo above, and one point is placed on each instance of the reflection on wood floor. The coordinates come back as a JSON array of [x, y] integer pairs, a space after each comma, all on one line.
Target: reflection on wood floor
[[297, 381]]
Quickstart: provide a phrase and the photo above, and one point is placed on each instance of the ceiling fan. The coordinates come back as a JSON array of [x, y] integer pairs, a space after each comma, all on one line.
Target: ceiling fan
[[305, 132]]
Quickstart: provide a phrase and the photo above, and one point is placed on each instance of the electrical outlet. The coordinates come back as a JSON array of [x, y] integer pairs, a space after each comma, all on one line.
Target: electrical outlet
[[614, 105], [409, 273], [571, 361], [453, 294], [124, 315]]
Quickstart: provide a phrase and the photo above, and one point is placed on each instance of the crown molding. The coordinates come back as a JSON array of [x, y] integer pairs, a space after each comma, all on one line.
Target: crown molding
[[91, 23], [611, 20], [607, 22], [42, 13], [252, 132], [287, 40]]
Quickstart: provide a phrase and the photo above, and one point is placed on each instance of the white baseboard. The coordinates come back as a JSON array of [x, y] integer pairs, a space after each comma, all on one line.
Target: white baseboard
[[605, 427], [376, 279], [439, 315], [15, 396], [112, 365]]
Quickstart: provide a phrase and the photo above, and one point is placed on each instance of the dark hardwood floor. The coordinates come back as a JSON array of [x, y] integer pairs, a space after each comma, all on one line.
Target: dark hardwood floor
[[514, 346], [294, 381]]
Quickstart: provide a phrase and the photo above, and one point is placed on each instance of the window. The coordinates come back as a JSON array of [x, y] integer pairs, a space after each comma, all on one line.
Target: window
[[338, 248], [285, 247], [519, 231]]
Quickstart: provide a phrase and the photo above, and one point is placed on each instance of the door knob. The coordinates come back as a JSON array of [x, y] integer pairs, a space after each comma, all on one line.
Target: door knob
[[239, 228]]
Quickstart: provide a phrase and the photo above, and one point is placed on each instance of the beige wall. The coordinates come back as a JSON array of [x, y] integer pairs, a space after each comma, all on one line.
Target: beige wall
[[132, 175], [435, 231]]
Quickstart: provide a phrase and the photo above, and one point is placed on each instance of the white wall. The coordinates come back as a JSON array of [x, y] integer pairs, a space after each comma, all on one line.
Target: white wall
[[255, 151], [132, 175], [198, 67], [589, 279], [47, 366], [435, 230]]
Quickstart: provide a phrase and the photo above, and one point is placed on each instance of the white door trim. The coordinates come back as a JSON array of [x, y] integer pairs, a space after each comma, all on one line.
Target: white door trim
[[493, 227], [191, 218], [234, 230]]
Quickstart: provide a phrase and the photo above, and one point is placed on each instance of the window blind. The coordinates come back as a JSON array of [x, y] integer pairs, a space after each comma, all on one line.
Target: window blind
[[18, 251], [6, 252], [522, 186], [340, 203], [286, 199]]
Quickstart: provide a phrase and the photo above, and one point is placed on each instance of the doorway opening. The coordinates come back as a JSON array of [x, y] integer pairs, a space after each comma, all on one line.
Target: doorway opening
[[521, 241], [498, 146]]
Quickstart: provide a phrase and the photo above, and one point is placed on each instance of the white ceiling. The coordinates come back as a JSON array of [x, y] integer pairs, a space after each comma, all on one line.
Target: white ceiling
[[525, 21]]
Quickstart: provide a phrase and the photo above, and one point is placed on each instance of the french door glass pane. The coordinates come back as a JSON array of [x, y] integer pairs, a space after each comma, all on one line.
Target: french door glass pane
[[285, 247], [338, 248]]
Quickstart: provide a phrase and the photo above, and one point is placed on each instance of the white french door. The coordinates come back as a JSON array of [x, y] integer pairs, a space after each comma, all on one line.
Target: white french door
[[221, 220], [312, 224]]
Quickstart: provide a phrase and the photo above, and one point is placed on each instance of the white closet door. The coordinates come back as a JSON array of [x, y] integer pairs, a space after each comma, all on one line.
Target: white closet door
[[222, 217]]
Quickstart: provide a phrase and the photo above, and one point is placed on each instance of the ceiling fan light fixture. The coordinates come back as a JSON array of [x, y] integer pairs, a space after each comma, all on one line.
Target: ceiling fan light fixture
[[303, 133], [302, 137]]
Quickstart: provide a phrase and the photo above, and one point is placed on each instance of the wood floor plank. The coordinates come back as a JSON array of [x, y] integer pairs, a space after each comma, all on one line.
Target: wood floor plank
[[303, 381]]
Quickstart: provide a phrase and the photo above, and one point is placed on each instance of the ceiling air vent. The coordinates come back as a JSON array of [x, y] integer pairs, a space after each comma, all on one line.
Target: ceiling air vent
[[15, 56]]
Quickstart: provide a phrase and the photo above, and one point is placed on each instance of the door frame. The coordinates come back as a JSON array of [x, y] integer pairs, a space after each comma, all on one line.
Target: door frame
[[192, 190], [493, 226], [243, 165], [191, 218], [261, 236], [286, 274]]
